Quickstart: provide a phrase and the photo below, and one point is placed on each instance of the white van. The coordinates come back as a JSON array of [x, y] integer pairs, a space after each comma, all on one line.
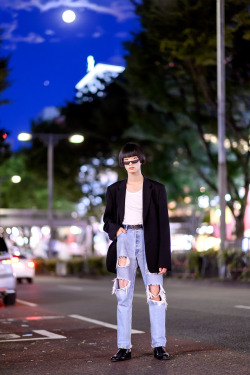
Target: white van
[[7, 277]]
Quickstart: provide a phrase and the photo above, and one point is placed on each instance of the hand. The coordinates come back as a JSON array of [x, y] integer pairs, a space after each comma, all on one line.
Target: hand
[[120, 230], [162, 270]]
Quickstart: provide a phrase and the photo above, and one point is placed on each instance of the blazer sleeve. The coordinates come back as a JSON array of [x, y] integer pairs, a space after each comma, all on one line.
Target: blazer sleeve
[[109, 217], [164, 231]]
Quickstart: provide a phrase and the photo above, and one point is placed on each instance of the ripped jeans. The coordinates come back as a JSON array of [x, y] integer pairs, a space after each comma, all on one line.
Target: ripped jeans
[[131, 246]]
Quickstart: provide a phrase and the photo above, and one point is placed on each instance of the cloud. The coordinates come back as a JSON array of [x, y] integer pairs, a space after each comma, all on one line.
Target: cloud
[[98, 33], [8, 35], [120, 9], [32, 38], [49, 32]]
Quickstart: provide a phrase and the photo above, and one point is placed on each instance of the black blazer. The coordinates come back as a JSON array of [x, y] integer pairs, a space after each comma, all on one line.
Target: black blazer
[[155, 220]]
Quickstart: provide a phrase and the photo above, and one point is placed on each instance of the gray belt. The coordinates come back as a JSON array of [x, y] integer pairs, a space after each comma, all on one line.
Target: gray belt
[[138, 226]]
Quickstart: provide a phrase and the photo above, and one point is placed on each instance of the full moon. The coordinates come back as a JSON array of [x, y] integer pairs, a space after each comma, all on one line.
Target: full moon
[[68, 16]]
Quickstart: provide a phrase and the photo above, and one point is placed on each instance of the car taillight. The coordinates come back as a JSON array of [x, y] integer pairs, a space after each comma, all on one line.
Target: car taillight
[[15, 259], [31, 264]]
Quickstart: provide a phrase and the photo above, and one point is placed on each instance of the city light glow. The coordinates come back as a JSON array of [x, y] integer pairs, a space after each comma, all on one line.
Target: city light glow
[[203, 201], [75, 230], [24, 137], [15, 179], [76, 138]]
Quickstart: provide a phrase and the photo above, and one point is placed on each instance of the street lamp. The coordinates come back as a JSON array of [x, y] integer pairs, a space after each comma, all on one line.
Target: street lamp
[[221, 114], [50, 140]]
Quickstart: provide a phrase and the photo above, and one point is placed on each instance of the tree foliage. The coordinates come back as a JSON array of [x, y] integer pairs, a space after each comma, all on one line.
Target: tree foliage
[[171, 69], [4, 83]]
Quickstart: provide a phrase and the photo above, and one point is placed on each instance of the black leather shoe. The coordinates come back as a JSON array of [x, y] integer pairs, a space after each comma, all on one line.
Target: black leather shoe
[[121, 355], [160, 353]]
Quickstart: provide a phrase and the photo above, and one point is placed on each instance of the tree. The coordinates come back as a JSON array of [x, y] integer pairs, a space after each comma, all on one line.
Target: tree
[[171, 70], [4, 83], [4, 72]]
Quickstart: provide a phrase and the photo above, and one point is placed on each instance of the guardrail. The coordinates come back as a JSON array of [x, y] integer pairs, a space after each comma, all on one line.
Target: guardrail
[[33, 217]]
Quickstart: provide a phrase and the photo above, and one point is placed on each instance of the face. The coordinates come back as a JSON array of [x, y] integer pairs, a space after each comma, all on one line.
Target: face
[[132, 168]]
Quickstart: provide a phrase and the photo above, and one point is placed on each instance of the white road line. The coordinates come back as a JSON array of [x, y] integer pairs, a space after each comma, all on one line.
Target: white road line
[[242, 307], [100, 323], [45, 317], [48, 336], [27, 303], [8, 336]]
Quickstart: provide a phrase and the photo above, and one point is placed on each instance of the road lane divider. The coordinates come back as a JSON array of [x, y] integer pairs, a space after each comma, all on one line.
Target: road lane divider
[[46, 336], [26, 303], [242, 307], [99, 322]]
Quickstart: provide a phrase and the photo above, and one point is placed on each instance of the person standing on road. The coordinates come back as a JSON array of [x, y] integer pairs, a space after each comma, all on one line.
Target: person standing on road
[[136, 217]]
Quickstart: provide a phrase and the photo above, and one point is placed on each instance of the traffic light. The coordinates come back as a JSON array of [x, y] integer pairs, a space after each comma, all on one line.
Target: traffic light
[[3, 135], [4, 145]]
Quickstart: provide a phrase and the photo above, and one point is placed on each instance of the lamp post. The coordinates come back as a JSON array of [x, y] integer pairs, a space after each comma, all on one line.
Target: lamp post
[[50, 140], [222, 179]]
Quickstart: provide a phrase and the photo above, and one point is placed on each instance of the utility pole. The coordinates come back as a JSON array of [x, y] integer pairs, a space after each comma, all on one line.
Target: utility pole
[[50, 146], [222, 173], [51, 140]]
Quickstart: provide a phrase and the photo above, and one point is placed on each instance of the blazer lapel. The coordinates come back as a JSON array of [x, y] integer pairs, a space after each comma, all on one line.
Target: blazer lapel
[[147, 190], [121, 193]]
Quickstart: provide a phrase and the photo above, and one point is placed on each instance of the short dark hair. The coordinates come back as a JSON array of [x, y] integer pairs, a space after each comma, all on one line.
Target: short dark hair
[[129, 150]]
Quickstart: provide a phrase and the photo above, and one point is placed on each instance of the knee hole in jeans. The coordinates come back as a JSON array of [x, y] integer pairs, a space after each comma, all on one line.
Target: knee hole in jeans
[[156, 294], [120, 285], [123, 261]]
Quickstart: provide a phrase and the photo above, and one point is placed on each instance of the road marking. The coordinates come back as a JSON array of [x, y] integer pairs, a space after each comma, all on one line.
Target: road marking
[[100, 323], [8, 336], [27, 303], [242, 307], [48, 336], [9, 320], [43, 317]]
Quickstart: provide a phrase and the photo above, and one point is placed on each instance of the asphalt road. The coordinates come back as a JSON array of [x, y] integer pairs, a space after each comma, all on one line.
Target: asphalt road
[[68, 326]]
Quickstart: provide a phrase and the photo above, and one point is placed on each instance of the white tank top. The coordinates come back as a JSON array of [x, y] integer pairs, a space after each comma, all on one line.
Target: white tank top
[[133, 208]]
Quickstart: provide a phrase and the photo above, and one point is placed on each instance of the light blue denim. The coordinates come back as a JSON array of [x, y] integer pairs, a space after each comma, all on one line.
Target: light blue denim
[[131, 245]]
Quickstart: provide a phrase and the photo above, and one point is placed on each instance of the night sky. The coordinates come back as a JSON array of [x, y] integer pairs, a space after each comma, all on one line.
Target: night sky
[[48, 56]]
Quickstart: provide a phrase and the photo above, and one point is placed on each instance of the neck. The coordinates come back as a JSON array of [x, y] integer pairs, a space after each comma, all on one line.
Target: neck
[[135, 177]]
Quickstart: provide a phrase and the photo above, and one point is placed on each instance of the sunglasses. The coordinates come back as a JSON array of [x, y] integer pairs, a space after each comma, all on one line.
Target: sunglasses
[[131, 161]]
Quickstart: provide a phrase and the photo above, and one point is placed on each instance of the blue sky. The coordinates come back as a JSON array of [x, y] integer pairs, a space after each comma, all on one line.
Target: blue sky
[[45, 48]]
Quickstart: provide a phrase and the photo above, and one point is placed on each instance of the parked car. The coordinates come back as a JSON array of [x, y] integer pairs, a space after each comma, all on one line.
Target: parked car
[[23, 267], [7, 276]]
